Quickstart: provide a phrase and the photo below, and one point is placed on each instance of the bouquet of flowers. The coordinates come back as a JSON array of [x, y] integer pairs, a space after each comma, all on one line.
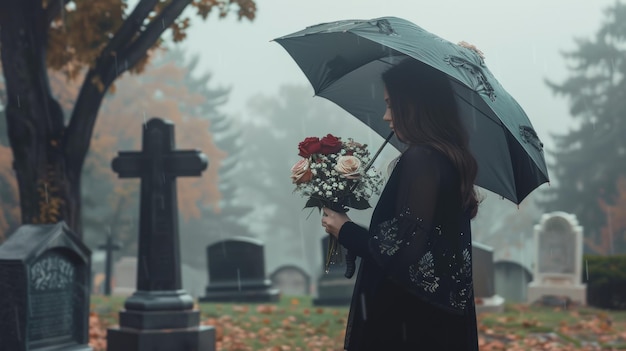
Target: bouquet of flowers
[[336, 174]]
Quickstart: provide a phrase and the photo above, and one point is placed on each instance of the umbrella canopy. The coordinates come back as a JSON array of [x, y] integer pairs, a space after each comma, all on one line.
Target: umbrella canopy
[[344, 62]]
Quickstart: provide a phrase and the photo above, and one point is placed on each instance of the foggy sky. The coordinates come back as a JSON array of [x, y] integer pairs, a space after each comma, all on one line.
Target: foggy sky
[[521, 40]]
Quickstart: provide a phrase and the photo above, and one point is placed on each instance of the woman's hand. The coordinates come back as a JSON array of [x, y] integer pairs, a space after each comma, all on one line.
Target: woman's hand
[[333, 221]]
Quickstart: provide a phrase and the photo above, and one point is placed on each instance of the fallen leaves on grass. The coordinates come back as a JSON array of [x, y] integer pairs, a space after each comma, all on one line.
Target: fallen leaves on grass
[[267, 327]]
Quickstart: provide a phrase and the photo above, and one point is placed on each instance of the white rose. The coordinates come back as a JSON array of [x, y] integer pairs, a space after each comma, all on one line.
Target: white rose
[[349, 167]]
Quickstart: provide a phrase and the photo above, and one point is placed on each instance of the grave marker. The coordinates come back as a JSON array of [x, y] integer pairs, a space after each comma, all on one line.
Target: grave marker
[[159, 316], [237, 272], [44, 279], [558, 269]]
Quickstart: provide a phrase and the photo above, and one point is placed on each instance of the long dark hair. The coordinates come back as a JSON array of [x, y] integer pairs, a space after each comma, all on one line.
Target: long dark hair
[[424, 111]]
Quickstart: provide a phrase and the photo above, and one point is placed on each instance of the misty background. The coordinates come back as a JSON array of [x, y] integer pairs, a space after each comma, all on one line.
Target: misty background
[[259, 105], [523, 43]]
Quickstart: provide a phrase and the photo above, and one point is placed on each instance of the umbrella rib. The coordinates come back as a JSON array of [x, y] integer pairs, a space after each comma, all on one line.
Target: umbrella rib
[[496, 121]]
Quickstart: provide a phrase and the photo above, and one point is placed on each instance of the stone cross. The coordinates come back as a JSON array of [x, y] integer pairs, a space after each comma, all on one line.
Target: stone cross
[[109, 246], [158, 165], [159, 316]]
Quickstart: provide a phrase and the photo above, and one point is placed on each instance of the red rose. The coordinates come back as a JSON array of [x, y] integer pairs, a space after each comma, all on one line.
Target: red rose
[[309, 146], [330, 144]]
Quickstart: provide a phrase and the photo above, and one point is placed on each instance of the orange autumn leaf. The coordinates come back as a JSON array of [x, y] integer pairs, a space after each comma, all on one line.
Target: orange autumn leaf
[[80, 32]]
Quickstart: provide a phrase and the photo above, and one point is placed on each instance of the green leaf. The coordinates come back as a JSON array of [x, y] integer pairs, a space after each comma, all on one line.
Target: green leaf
[[360, 204]]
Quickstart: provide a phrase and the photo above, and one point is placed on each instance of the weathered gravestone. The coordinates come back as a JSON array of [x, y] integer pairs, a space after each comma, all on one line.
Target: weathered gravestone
[[512, 280], [291, 280], [159, 316], [237, 272], [558, 269], [44, 284], [333, 288], [483, 274]]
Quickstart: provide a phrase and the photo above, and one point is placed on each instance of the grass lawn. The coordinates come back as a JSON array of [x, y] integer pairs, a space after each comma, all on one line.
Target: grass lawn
[[294, 324]]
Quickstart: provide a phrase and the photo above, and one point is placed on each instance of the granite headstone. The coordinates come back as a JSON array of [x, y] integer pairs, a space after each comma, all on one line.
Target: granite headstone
[[558, 270], [291, 280], [237, 272], [45, 285], [160, 315]]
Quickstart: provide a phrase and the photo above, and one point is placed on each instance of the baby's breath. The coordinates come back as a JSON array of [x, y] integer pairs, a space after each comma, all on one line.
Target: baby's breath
[[329, 185]]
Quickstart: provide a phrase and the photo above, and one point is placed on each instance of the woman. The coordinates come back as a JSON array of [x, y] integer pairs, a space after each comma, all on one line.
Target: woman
[[414, 286]]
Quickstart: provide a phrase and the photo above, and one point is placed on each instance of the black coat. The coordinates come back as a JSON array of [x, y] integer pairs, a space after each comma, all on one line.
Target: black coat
[[414, 286]]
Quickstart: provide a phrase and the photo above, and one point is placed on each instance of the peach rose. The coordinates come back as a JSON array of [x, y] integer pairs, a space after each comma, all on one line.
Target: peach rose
[[349, 167], [301, 172]]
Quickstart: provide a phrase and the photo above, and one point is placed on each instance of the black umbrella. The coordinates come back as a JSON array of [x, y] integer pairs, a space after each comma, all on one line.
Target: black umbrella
[[344, 61]]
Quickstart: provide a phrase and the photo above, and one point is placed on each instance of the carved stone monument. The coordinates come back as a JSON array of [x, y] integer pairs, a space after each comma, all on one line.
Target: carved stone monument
[[44, 290], [237, 272], [291, 280], [558, 268], [512, 280], [159, 316]]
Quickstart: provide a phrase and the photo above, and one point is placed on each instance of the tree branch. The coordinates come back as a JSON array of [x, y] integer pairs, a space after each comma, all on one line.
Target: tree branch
[[53, 9], [127, 31], [153, 32], [80, 129]]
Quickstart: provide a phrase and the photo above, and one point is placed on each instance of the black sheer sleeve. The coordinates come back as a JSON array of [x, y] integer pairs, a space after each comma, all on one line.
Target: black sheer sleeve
[[402, 236]]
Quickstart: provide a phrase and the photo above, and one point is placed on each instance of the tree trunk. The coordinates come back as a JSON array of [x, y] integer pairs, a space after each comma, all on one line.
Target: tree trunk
[[49, 185]]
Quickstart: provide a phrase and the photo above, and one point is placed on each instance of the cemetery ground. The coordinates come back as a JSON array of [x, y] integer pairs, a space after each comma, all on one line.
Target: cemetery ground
[[295, 324]]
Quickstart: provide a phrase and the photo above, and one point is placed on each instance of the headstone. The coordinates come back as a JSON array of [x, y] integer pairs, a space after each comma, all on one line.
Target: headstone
[[291, 280], [125, 273], [558, 270], [44, 284], [109, 247], [512, 280], [333, 288], [237, 272], [159, 316], [484, 280]]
